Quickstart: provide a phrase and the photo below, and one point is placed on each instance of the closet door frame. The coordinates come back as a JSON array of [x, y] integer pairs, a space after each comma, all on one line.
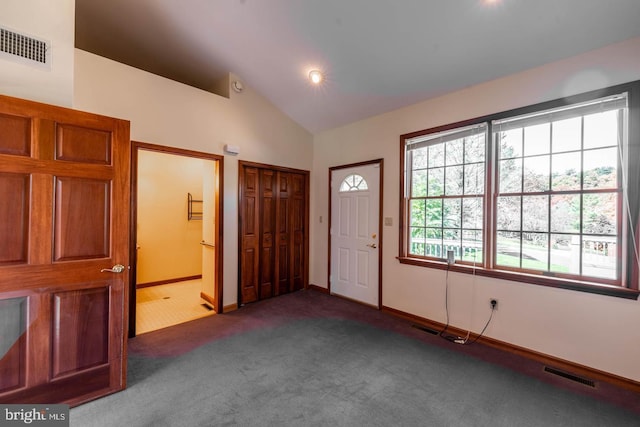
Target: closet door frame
[[242, 166]]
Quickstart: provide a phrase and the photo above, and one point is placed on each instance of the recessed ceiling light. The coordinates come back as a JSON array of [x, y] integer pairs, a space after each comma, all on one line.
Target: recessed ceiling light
[[316, 77]]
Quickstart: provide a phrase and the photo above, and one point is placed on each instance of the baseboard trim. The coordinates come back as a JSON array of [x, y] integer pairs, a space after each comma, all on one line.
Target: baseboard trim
[[164, 282], [319, 289], [565, 365], [230, 307], [208, 298]]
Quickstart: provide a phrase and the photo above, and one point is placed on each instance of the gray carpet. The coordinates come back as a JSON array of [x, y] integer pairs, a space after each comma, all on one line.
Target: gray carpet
[[336, 372]]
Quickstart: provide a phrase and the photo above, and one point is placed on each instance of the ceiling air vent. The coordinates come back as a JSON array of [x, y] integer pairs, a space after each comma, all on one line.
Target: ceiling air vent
[[23, 48]]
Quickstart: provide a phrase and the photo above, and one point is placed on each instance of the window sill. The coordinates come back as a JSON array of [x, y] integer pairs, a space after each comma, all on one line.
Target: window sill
[[574, 285]]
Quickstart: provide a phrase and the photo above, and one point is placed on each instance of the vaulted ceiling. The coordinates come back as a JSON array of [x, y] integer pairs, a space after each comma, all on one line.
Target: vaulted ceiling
[[377, 55]]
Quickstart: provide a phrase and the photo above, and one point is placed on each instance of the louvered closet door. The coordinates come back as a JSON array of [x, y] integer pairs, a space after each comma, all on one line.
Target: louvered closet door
[[274, 219], [64, 217]]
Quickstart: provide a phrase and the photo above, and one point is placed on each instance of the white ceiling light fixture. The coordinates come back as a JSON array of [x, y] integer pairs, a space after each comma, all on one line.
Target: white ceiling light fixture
[[316, 77]]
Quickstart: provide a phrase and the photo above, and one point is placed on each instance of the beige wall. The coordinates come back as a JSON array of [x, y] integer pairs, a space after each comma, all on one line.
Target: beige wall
[[168, 113], [592, 330], [168, 243], [51, 21]]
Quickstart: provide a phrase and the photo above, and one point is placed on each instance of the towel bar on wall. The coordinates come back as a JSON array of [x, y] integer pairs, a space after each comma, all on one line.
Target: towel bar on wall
[[193, 214]]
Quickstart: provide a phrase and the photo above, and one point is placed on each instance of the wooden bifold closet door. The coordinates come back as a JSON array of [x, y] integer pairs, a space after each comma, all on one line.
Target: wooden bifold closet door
[[274, 218]]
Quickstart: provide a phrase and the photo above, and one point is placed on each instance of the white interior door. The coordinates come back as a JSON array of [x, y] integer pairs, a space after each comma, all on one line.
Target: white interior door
[[355, 226]]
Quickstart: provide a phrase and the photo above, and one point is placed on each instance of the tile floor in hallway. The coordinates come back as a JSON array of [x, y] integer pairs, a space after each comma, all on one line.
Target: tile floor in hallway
[[167, 305]]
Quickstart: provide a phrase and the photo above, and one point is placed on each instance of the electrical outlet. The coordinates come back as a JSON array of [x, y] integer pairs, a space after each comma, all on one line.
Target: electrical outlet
[[493, 303]]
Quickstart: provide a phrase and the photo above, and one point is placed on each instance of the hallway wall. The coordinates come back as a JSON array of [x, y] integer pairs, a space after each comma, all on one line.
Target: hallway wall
[[168, 243]]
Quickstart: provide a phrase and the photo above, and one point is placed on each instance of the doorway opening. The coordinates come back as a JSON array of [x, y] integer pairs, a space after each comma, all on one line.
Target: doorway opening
[[176, 248]]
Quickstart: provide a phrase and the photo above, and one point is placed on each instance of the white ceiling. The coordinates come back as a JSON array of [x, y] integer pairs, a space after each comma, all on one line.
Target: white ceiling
[[378, 55]]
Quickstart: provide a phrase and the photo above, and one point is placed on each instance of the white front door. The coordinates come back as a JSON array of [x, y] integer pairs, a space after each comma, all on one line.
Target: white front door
[[354, 232]]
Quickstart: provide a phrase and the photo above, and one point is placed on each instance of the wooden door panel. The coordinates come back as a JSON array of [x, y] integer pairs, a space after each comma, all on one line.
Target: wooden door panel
[[250, 236], [82, 219], [282, 228], [297, 215], [281, 198], [283, 268], [80, 330], [267, 212], [13, 321], [15, 138], [14, 217], [66, 174], [79, 144]]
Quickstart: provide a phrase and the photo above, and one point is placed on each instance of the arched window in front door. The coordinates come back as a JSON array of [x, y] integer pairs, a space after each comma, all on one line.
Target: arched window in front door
[[354, 182]]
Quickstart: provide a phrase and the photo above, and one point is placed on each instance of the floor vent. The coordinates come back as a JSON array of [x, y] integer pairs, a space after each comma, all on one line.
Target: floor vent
[[18, 45], [425, 329], [569, 376]]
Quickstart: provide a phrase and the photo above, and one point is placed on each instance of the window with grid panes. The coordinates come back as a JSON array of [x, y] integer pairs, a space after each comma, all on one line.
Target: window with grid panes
[[547, 191]]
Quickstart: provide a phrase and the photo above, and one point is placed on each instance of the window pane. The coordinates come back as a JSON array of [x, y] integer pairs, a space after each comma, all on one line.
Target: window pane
[[472, 214], [454, 152], [536, 173], [537, 139], [510, 143], [535, 251], [511, 176], [474, 178], [419, 183], [353, 183], [436, 182], [565, 253], [508, 249], [535, 213], [434, 243], [474, 149], [434, 213], [417, 242], [599, 257], [565, 213], [566, 135], [472, 246], [417, 209], [600, 168], [599, 213], [452, 213], [454, 177], [451, 239], [508, 213], [601, 130], [419, 158], [565, 174], [436, 155]]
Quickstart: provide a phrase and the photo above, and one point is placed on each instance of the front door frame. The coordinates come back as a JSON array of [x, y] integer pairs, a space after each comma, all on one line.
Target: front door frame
[[353, 165], [218, 232]]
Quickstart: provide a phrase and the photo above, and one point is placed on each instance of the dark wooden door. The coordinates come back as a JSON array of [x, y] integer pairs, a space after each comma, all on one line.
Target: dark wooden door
[[64, 217], [249, 234], [267, 211], [273, 231], [283, 249]]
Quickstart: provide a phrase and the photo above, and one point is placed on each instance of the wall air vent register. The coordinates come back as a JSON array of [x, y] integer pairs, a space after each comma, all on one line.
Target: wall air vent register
[[24, 49]]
